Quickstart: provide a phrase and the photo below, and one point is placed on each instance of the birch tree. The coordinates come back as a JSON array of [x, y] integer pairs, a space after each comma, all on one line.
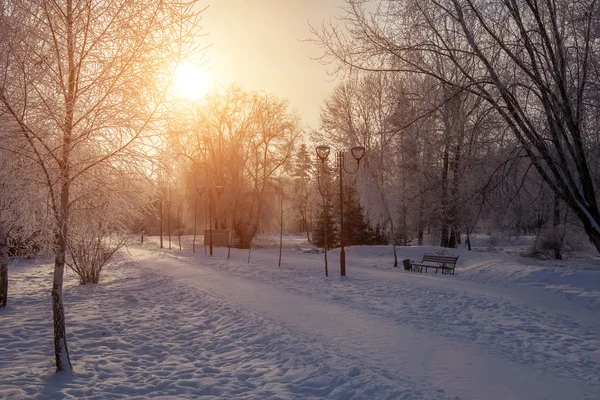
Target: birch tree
[[23, 211], [80, 74]]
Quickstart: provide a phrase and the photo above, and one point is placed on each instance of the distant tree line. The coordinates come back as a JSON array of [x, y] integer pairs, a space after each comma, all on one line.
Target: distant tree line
[[475, 114]]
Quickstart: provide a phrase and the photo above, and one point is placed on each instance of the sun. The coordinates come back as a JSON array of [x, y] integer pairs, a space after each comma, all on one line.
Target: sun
[[191, 82]]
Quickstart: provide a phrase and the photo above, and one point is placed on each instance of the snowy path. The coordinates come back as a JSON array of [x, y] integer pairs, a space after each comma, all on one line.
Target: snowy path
[[394, 347], [143, 335], [171, 324]]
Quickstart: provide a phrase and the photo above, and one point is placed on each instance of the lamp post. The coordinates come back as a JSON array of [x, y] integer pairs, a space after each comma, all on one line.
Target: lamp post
[[160, 229], [168, 204], [219, 190], [281, 229], [199, 191], [340, 165], [324, 196]]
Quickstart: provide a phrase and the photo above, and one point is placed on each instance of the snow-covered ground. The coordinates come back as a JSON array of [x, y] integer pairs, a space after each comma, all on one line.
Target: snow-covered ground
[[173, 324]]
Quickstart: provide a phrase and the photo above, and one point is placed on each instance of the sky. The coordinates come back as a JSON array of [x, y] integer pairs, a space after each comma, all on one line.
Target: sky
[[258, 44]]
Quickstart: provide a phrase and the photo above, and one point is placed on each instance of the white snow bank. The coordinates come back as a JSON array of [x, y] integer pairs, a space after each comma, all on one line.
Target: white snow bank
[[175, 324], [140, 335]]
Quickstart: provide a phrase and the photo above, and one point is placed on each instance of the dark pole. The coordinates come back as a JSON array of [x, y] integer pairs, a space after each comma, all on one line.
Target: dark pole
[[325, 235], [342, 251], [358, 153], [169, 222], [179, 229], [161, 223], [281, 232], [195, 221], [210, 221]]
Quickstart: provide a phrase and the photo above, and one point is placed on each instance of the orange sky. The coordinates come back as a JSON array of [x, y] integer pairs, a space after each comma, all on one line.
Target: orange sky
[[256, 43]]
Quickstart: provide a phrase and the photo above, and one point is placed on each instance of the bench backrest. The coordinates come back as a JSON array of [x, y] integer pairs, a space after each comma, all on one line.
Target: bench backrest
[[436, 258]]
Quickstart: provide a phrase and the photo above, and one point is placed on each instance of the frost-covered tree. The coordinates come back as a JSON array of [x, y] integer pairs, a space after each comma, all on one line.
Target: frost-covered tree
[[303, 187], [85, 82], [23, 213], [240, 140], [534, 63], [358, 112]]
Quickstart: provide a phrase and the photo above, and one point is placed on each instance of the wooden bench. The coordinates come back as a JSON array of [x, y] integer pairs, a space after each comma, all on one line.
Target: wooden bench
[[445, 262]]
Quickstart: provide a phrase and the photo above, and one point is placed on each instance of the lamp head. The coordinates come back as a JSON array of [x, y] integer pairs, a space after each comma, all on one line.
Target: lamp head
[[322, 152], [199, 189], [357, 152], [219, 189]]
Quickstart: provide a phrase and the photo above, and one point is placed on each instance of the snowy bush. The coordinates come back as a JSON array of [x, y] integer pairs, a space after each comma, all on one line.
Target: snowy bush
[[556, 242], [24, 244], [90, 252]]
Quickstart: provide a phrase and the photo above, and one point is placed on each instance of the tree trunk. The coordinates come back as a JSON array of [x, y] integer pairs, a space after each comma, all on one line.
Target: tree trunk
[[452, 238], [3, 269], [444, 200], [444, 235], [594, 236], [468, 241], [421, 216], [394, 243], [306, 226], [556, 220], [555, 223], [160, 227], [61, 351], [591, 223]]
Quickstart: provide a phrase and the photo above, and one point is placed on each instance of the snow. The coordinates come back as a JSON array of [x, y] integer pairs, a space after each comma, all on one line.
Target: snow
[[173, 324]]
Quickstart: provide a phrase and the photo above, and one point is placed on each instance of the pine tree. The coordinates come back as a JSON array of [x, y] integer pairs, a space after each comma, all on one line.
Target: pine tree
[[377, 236], [325, 219], [357, 230], [356, 227], [302, 176]]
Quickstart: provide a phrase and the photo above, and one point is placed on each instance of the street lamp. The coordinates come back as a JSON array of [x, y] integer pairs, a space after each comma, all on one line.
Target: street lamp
[[340, 165], [160, 228], [325, 198], [219, 190], [168, 204], [199, 191]]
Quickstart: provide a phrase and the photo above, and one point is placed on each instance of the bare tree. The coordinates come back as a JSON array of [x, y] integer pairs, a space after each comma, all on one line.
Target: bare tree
[[240, 140], [23, 215], [80, 75], [303, 187], [535, 63]]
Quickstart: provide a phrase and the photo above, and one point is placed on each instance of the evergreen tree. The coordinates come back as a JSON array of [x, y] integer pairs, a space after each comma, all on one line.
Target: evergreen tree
[[377, 236], [302, 174], [356, 228], [325, 218]]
